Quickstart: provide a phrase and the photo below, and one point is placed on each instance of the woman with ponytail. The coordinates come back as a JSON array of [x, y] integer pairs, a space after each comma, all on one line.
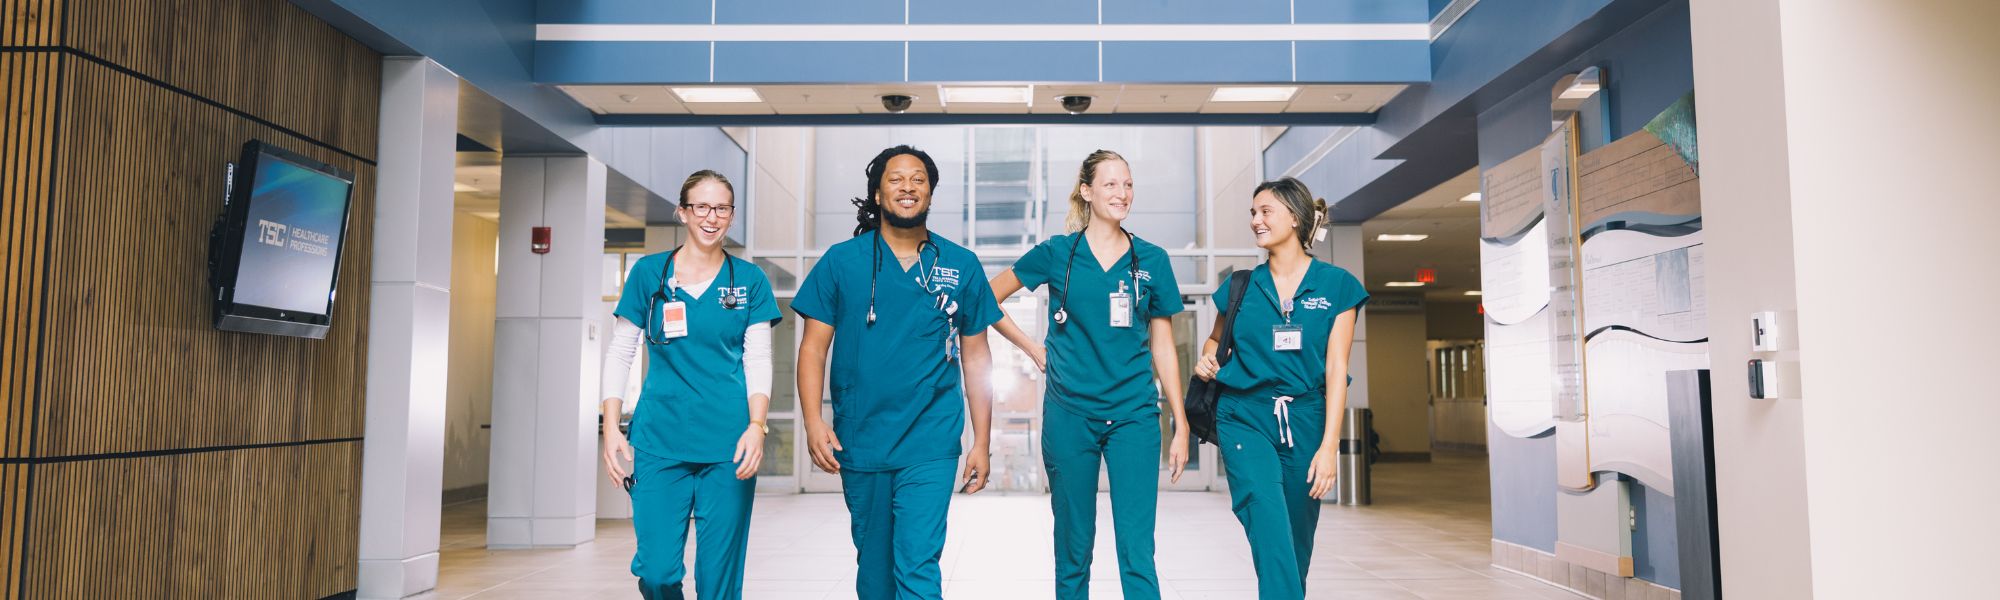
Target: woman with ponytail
[[1285, 388], [1111, 298]]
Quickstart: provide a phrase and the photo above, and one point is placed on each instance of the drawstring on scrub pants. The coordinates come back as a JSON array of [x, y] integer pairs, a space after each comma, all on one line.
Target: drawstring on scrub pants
[[1282, 407]]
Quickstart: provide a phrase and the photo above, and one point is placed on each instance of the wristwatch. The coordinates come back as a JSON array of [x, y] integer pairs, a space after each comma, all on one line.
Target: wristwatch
[[761, 426]]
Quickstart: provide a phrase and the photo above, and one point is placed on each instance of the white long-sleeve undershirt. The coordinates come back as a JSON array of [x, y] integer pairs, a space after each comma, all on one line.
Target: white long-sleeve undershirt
[[626, 338]]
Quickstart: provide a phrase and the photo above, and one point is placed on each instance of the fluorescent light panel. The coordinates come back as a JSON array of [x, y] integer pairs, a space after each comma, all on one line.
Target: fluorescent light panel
[[1472, 197], [1253, 94], [1406, 284], [988, 95], [697, 95], [460, 187], [1402, 237], [1475, 293]]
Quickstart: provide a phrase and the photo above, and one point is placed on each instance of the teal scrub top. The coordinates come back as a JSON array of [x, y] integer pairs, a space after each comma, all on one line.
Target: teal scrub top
[[1258, 369], [694, 404], [898, 398], [1095, 370]]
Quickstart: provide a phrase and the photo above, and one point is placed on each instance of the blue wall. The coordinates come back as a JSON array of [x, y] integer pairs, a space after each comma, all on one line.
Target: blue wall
[[1650, 65]]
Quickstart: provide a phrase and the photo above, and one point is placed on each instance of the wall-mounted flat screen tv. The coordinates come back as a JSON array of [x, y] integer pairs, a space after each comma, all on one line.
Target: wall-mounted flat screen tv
[[274, 255]]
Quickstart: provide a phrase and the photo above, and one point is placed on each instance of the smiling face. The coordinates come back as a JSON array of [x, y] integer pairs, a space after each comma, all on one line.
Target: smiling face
[[715, 198], [1272, 223], [1110, 194], [905, 192]]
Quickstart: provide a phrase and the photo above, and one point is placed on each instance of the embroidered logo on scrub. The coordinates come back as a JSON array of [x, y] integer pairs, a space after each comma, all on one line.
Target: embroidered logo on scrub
[[1316, 303], [943, 278], [1144, 275]]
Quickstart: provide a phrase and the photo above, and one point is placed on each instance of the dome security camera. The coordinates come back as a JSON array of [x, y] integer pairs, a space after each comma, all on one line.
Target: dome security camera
[[897, 103], [1075, 105]]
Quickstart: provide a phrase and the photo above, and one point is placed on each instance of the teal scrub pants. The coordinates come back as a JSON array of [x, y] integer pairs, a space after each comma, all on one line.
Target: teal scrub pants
[[666, 494], [1267, 485], [897, 519], [1071, 449]]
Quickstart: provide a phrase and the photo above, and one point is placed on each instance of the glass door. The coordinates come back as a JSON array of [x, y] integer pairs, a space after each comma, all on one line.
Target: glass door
[[1017, 404]]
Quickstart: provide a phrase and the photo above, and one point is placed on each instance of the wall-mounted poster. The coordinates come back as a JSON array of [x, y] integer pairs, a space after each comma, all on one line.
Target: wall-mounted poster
[[1644, 306], [1514, 274]]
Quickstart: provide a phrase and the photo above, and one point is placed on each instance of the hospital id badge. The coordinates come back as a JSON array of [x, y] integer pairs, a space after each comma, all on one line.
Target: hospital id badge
[[1286, 337], [673, 320], [1121, 309]]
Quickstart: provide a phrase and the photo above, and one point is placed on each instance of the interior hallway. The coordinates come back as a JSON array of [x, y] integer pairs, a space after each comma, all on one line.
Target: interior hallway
[[1427, 537]]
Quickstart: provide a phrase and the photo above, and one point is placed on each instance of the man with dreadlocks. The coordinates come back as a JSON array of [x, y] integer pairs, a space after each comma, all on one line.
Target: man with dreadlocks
[[905, 314]]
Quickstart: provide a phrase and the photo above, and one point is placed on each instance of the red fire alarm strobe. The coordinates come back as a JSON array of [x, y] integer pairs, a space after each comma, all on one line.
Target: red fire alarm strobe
[[540, 242]]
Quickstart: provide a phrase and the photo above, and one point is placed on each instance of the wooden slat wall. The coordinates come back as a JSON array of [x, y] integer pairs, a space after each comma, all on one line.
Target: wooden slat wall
[[31, 22], [259, 523], [133, 362], [264, 57], [123, 466]]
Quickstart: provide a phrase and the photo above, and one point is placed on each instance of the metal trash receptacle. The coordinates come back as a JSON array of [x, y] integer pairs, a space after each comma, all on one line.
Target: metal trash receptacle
[[1354, 464]]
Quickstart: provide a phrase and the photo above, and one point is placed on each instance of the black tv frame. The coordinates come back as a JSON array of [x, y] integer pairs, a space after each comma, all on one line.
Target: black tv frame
[[225, 249]]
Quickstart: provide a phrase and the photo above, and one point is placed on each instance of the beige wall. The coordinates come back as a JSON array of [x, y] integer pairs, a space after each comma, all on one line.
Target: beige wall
[[469, 379], [1455, 321], [1398, 384], [1842, 144]]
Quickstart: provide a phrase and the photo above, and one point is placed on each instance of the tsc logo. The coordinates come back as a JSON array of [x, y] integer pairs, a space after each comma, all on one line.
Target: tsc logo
[[1317, 304], [271, 234], [943, 278], [1144, 275]]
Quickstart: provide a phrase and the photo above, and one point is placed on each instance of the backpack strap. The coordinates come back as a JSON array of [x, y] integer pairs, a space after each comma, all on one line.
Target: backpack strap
[[1239, 283]]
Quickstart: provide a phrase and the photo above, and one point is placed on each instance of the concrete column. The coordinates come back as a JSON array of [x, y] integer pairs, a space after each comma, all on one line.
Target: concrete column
[[545, 354], [1860, 482], [1343, 248], [402, 466]]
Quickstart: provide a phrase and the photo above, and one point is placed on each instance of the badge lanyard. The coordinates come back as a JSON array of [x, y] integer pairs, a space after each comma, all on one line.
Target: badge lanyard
[[1286, 337], [1122, 309], [673, 312]]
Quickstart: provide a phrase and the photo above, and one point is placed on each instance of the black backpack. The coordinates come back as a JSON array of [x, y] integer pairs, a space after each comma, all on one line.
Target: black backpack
[[1202, 394]]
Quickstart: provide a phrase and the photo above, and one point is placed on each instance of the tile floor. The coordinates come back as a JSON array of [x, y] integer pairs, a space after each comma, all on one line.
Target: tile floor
[[1426, 537]]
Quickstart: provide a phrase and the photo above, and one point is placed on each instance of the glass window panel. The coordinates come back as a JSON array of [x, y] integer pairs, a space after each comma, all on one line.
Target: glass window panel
[[1007, 211], [611, 276], [778, 445]]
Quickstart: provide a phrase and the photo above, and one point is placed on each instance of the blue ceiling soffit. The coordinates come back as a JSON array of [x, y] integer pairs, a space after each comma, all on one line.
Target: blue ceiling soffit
[[1429, 134], [886, 120]]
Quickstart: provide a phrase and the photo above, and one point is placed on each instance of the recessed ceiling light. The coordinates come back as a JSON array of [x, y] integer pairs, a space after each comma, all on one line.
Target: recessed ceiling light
[[1474, 293], [717, 94], [989, 95], [1402, 237], [1342, 97], [1253, 94], [460, 187], [1472, 197], [1406, 284], [627, 98]]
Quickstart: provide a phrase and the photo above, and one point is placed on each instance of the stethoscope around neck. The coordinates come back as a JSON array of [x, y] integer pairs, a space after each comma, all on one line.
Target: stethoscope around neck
[[1061, 314], [669, 291], [875, 273]]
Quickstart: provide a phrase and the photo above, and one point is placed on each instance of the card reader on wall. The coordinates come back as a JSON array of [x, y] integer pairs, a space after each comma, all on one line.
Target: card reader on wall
[[1764, 380]]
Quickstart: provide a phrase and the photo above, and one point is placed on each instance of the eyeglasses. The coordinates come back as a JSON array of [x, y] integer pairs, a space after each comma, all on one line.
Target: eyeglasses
[[703, 210]]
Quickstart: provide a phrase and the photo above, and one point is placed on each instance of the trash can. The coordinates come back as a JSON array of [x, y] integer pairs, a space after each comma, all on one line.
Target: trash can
[[1353, 479]]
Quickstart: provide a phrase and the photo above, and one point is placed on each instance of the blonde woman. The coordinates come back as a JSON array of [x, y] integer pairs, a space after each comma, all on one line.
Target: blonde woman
[[1111, 296]]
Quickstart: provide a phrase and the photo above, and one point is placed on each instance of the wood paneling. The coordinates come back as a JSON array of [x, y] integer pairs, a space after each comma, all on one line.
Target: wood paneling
[[255, 523], [133, 362], [27, 90], [146, 454], [31, 22], [263, 57]]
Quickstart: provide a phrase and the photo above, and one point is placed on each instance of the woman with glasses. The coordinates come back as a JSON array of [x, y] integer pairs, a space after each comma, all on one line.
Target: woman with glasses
[[704, 318], [1285, 386], [1111, 299]]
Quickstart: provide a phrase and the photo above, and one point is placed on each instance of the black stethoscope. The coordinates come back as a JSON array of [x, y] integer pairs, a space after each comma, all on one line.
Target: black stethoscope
[[876, 272], [670, 292], [1131, 252]]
